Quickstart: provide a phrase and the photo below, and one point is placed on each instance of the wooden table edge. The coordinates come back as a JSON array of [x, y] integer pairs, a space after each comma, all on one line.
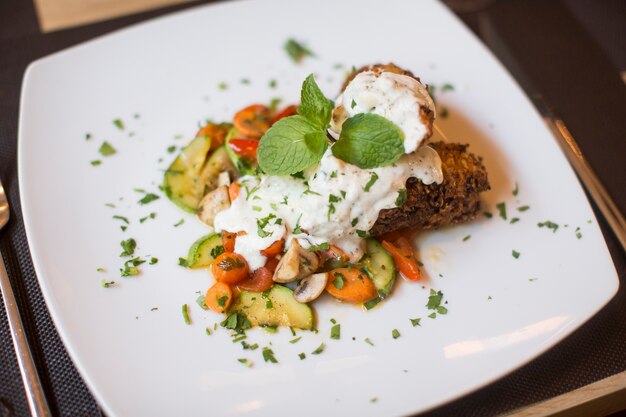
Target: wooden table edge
[[600, 398]]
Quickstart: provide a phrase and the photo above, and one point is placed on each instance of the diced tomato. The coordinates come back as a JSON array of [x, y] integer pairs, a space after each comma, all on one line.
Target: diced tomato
[[218, 297], [350, 285], [228, 241], [253, 121], [261, 280], [233, 191], [274, 249], [244, 147], [288, 111]]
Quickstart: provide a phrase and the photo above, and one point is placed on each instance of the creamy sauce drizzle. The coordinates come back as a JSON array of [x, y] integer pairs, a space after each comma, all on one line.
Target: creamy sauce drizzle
[[324, 205], [396, 97]]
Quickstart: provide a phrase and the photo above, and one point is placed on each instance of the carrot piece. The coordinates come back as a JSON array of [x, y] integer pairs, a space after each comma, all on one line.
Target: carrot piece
[[230, 268], [228, 241], [217, 133], [233, 191], [261, 280], [218, 297], [253, 121], [404, 258], [351, 285], [271, 264], [274, 249]]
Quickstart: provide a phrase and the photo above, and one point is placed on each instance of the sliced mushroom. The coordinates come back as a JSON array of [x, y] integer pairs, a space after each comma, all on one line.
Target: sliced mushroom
[[296, 264], [212, 203], [310, 287], [223, 179]]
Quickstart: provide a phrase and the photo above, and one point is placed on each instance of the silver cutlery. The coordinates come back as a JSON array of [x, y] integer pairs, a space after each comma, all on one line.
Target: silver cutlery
[[34, 391]]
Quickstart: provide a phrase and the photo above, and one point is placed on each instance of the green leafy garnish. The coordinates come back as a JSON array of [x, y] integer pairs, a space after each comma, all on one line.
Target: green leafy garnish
[[245, 362], [296, 50], [268, 355], [119, 124], [314, 106], [373, 179], [106, 149], [466, 238], [402, 196], [319, 349], [296, 340], [502, 209], [185, 310], [128, 247], [183, 262], [96, 162], [523, 208], [291, 145], [338, 281], [122, 218], [180, 222], [368, 140], [302, 356], [321, 246], [368, 341], [549, 225], [416, 322], [395, 333], [148, 198], [515, 190], [515, 253], [107, 284], [335, 332]]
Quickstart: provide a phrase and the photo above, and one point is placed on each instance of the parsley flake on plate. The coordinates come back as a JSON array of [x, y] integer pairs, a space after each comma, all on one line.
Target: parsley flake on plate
[[106, 149]]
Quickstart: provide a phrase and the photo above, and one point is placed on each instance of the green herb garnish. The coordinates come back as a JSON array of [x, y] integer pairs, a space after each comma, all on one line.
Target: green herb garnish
[[319, 349], [335, 332], [321, 246], [128, 247], [268, 355], [395, 333], [106, 149], [402, 196], [549, 225], [296, 50], [502, 209], [373, 179], [515, 253], [416, 322], [185, 309]]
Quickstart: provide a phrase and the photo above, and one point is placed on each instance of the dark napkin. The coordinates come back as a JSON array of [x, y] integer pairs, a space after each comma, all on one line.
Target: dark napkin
[[595, 351]]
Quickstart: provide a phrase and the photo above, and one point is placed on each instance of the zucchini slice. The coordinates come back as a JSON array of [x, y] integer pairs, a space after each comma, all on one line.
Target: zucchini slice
[[217, 163], [274, 308], [380, 265], [181, 181], [204, 251]]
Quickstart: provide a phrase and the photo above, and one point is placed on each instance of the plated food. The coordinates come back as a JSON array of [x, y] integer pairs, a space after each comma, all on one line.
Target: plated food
[[318, 197]]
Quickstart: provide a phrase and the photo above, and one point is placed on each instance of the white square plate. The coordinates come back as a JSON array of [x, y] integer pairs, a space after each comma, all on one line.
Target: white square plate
[[139, 361]]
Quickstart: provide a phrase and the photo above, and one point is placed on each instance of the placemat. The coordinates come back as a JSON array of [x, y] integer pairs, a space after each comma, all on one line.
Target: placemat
[[595, 351]]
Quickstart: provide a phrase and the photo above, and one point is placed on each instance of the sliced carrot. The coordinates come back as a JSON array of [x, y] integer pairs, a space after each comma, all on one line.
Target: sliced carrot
[[261, 280], [218, 297], [288, 111], [230, 268], [274, 249], [228, 241], [404, 258], [351, 285], [217, 133], [233, 191], [253, 121]]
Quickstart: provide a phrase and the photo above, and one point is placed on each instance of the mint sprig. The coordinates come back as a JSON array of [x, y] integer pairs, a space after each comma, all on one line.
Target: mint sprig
[[368, 140], [291, 145], [314, 106]]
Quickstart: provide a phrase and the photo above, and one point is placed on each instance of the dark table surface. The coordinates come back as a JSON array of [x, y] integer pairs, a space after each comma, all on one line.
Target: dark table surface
[[570, 51]]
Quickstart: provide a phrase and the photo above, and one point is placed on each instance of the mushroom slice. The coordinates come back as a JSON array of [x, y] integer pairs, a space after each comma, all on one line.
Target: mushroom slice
[[296, 264], [212, 203], [223, 179], [311, 287]]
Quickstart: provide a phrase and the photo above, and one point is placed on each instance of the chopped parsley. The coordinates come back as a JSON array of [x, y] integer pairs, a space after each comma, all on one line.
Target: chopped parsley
[[395, 333], [432, 315], [338, 281], [321, 246], [523, 208], [319, 349], [353, 104], [222, 86], [416, 322], [119, 124], [515, 190], [355, 221], [128, 246], [100, 270], [302, 356], [207, 330], [268, 355], [373, 400], [296, 51], [245, 362], [229, 264], [244, 81], [362, 234], [502, 209], [96, 162], [154, 260], [88, 136], [368, 341], [335, 332], [447, 87], [549, 225], [296, 340], [130, 267], [297, 230], [183, 262], [434, 303], [180, 222], [262, 223], [150, 216], [185, 310], [515, 253], [372, 303], [107, 284], [124, 219], [373, 179], [402, 196], [273, 84], [148, 198], [514, 220], [171, 149], [578, 234], [487, 214], [217, 251], [106, 149], [466, 238]]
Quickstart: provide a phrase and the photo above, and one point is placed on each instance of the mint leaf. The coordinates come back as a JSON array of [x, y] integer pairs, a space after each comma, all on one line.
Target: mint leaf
[[369, 141], [315, 106], [296, 51], [291, 145]]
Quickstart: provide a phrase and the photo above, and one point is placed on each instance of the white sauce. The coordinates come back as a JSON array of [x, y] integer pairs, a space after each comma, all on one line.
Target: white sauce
[[263, 198], [393, 96]]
